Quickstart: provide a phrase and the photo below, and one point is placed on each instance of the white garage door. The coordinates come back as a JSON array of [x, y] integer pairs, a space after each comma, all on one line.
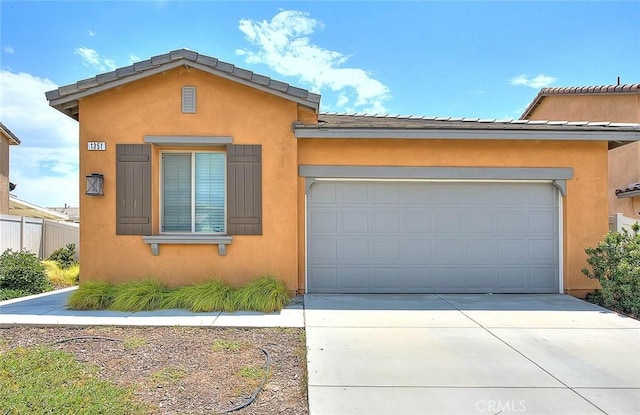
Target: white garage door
[[430, 237]]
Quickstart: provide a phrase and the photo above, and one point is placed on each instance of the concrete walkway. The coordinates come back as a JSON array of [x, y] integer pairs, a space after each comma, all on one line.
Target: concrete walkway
[[469, 354], [49, 309], [427, 354]]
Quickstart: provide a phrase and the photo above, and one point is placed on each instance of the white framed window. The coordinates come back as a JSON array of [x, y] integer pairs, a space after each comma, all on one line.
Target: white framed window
[[193, 189]]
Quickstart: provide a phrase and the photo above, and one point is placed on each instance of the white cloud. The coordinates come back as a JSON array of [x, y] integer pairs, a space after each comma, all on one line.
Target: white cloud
[[45, 164], [9, 50], [283, 45], [92, 33], [92, 58], [538, 82], [133, 58]]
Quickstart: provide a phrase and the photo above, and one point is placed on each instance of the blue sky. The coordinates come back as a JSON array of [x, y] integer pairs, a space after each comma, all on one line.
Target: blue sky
[[474, 58]]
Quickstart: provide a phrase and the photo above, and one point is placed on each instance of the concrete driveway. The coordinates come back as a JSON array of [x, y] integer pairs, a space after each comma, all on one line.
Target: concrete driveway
[[469, 354]]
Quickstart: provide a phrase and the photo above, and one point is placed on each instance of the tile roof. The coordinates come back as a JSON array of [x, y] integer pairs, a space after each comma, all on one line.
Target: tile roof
[[335, 120], [7, 132], [332, 125], [632, 189], [65, 98], [600, 89]]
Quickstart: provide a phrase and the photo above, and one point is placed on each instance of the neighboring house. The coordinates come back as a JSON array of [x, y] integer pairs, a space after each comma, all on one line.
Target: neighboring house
[[7, 138], [610, 103], [209, 170], [19, 207], [73, 213]]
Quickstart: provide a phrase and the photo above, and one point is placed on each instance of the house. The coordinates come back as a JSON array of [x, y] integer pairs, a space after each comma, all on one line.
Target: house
[[7, 138], [614, 103], [194, 168], [18, 207]]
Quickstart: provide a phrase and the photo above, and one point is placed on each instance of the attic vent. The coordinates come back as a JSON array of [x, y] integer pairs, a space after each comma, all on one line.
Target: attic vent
[[189, 99]]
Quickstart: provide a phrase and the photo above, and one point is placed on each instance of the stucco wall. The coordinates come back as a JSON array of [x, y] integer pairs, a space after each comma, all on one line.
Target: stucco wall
[[624, 161], [584, 107], [4, 175], [152, 106], [584, 207]]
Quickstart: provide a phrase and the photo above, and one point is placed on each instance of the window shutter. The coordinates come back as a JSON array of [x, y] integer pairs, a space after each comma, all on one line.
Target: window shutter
[[244, 189], [133, 189]]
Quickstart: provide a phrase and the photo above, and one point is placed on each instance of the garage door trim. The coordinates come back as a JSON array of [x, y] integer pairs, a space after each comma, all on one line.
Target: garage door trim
[[557, 176]]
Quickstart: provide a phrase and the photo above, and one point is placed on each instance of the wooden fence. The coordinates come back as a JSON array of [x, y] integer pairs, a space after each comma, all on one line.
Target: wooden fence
[[40, 236]]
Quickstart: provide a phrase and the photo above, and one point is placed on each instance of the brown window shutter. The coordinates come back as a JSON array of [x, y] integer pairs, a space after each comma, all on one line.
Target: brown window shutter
[[244, 189], [133, 189]]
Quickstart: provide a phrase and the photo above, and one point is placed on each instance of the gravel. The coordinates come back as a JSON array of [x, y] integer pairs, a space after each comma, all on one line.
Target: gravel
[[181, 370]]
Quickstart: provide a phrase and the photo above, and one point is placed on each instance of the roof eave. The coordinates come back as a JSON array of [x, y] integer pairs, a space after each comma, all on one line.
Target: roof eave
[[13, 140], [628, 194], [68, 104]]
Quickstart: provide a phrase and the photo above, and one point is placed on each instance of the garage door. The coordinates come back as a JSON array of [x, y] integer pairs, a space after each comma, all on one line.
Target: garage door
[[432, 237]]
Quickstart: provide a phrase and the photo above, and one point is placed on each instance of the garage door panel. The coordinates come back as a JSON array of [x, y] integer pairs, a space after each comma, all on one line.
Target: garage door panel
[[417, 251], [482, 251], [325, 279], [354, 279], [416, 221], [323, 250], [481, 222], [353, 193], [432, 237], [385, 220], [513, 279], [386, 251], [352, 220], [353, 251], [323, 195], [324, 220]]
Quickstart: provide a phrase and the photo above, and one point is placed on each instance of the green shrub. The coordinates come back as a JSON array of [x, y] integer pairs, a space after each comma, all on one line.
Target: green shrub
[[266, 294], [6, 294], [212, 295], [62, 277], [65, 256], [92, 295], [615, 263], [22, 271], [140, 295]]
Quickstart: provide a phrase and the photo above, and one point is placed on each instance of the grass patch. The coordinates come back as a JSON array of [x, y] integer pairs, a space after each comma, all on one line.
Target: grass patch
[[62, 277], [92, 295], [266, 294], [49, 381], [219, 345], [209, 296], [168, 376], [134, 343], [140, 295]]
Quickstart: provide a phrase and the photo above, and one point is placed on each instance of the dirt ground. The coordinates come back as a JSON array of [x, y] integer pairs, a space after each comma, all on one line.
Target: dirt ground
[[189, 370]]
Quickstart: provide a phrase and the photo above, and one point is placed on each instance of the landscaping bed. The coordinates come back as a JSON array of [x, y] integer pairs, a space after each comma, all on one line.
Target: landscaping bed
[[174, 370]]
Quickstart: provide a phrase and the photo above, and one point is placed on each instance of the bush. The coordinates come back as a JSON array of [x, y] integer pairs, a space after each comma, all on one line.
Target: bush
[[65, 256], [615, 263], [62, 277], [23, 271], [266, 294], [92, 295], [6, 294]]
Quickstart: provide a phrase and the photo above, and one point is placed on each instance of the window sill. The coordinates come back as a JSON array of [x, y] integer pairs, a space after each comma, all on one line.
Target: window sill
[[156, 240]]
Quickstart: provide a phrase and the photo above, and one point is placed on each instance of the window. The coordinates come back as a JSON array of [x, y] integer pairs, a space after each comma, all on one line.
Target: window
[[193, 192]]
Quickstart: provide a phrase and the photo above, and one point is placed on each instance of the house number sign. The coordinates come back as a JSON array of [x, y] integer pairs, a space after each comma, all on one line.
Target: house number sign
[[96, 146]]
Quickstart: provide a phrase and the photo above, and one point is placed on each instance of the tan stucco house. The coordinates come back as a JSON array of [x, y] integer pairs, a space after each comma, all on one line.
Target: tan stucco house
[[7, 139], [609, 103], [198, 168]]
